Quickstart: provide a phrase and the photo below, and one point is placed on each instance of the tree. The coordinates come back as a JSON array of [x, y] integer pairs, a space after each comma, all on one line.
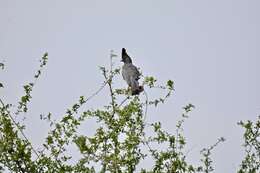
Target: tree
[[251, 162], [119, 143]]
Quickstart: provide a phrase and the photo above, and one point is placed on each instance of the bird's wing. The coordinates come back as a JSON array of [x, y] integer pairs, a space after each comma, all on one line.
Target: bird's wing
[[125, 74], [134, 72], [130, 74]]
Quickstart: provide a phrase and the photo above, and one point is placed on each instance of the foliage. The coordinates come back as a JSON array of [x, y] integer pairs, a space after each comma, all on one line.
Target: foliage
[[120, 142], [206, 160], [251, 162]]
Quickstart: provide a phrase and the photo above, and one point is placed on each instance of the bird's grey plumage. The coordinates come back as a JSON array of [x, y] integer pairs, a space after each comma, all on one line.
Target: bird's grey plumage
[[130, 73]]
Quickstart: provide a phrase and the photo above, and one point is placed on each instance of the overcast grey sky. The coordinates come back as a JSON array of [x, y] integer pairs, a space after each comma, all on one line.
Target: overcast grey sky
[[209, 48]]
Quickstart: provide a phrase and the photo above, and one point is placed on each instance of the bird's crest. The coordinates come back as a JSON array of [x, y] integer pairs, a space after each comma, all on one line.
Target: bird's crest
[[125, 57]]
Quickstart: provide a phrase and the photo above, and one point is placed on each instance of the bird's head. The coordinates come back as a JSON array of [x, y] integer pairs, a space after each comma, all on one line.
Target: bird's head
[[125, 57], [124, 51]]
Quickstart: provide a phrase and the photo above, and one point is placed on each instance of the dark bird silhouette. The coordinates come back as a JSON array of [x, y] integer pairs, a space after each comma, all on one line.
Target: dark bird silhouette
[[131, 74]]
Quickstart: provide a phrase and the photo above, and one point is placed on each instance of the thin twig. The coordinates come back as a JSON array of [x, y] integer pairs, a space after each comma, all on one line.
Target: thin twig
[[109, 79], [146, 105], [112, 96], [36, 78], [123, 101], [96, 93], [20, 129]]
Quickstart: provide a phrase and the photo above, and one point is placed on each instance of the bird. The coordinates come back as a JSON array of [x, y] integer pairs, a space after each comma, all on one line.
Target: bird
[[131, 74]]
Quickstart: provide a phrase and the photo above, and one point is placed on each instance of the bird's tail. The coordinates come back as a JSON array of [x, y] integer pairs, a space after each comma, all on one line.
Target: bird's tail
[[137, 90]]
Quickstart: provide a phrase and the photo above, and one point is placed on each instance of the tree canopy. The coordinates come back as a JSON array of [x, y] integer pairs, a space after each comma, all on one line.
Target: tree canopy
[[120, 142]]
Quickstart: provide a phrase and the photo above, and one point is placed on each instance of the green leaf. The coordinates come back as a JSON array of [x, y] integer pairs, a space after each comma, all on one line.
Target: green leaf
[[24, 99], [170, 84]]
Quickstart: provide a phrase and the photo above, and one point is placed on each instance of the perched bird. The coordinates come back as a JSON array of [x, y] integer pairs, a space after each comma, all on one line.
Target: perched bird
[[131, 74]]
